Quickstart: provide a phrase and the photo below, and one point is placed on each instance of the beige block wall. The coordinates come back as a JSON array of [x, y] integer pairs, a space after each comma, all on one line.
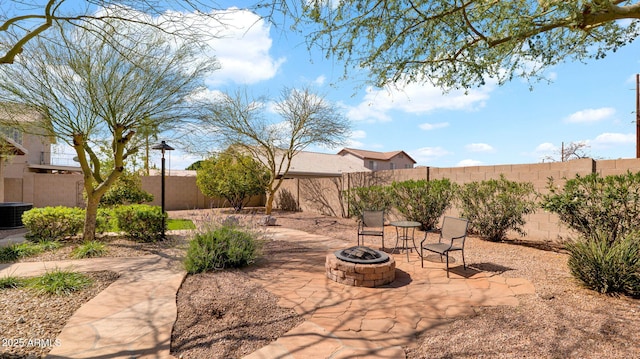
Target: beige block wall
[[540, 225]]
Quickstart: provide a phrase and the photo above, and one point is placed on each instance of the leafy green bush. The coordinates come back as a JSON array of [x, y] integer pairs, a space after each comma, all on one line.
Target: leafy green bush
[[53, 222], [140, 222], [494, 207], [423, 201], [374, 198], [592, 204], [223, 247], [89, 249], [607, 267], [59, 282], [126, 190]]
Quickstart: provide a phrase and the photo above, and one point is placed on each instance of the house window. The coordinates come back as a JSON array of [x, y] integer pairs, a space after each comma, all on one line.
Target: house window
[[12, 133], [373, 165], [392, 166]]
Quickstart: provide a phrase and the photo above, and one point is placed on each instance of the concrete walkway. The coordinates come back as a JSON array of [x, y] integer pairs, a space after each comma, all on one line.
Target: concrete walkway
[[134, 316]]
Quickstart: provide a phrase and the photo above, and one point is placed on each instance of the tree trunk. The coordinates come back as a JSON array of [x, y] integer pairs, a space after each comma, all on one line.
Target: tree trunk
[[89, 232], [2, 160], [269, 205]]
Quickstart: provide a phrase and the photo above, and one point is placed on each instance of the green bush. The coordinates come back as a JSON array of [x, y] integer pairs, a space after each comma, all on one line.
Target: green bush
[[423, 201], [494, 207], [126, 190], [89, 249], [374, 198], [592, 204], [223, 247], [140, 222], [59, 282], [607, 267], [53, 222]]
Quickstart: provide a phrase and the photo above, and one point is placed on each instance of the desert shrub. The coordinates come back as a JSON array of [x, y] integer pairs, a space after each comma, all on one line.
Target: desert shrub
[[126, 190], [374, 198], [423, 201], [286, 201], [140, 222], [494, 207], [605, 266], [223, 247], [89, 249], [59, 282], [593, 204], [53, 222]]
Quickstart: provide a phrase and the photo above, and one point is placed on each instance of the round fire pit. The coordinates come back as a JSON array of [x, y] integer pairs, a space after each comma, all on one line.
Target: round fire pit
[[361, 267]]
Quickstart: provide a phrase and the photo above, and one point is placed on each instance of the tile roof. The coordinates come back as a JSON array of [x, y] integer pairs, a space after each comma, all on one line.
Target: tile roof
[[373, 155]]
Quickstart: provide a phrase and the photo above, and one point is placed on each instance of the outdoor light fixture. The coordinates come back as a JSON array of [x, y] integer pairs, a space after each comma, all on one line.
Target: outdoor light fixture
[[162, 146]]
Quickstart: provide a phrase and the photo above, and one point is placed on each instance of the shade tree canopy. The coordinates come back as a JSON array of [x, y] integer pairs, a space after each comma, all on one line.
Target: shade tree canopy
[[90, 90], [465, 43]]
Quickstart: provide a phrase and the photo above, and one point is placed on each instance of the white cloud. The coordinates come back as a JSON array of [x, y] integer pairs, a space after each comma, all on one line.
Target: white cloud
[[546, 147], [358, 134], [468, 163], [433, 126], [611, 139], [416, 98], [426, 154], [320, 80], [241, 46], [590, 115], [479, 147]]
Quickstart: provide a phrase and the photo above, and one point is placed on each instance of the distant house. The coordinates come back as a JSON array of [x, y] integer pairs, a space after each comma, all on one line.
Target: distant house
[[377, 161], [21, 153]]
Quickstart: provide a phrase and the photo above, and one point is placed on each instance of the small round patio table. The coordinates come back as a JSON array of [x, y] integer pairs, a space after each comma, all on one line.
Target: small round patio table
[[402, 234]]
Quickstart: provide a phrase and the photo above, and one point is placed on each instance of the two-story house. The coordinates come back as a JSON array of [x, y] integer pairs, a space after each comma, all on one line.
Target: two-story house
[[377, 161]]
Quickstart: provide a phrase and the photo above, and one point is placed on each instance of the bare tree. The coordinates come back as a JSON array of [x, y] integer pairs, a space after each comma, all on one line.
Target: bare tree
[[304, 119], [571, 151], [89, 90]]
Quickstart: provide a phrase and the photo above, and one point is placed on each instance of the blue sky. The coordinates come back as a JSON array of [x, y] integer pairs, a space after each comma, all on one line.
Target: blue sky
[[509, 124]]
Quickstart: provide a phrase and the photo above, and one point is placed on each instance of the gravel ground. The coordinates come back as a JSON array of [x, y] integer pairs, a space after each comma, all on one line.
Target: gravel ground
[[30, 322], [561, 320]]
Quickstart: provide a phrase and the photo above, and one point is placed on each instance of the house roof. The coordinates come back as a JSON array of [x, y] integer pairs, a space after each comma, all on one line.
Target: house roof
[[322, 164], [12, 147], [373, 155]]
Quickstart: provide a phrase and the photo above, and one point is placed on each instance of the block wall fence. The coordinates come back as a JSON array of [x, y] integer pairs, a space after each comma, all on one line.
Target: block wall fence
[[321, 195], [43, 189]]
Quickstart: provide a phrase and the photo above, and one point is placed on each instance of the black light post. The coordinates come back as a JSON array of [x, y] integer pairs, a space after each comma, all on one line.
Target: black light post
[[162, 146]]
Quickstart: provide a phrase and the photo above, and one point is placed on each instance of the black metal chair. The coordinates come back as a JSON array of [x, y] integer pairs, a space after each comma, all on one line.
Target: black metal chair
[[371, 224], [452, 238]]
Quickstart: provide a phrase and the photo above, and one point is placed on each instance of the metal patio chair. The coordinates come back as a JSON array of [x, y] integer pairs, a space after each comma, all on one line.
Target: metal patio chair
[[452, 238], [371, 224]]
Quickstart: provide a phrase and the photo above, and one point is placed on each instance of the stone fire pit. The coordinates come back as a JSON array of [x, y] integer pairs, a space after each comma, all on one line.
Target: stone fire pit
[[361, 267]]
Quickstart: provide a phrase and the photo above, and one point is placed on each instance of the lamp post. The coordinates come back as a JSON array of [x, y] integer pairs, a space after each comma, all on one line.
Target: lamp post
[[162, 146]]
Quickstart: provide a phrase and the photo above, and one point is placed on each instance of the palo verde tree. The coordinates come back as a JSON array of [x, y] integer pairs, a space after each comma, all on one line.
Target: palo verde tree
[[90, 90], [24, 21], [303, 119], [232, 176], [463, 43]]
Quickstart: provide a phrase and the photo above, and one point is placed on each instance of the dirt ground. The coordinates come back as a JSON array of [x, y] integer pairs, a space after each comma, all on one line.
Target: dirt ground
[[222, 315]]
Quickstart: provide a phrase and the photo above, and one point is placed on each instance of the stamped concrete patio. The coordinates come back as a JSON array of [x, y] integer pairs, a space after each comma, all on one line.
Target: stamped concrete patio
[[133, 317]]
